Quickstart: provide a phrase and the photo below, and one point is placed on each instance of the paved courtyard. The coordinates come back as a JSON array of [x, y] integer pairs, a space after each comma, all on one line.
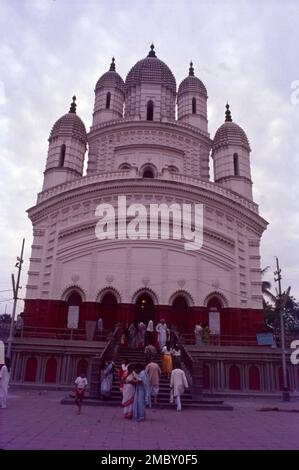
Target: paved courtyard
[[37, 420]]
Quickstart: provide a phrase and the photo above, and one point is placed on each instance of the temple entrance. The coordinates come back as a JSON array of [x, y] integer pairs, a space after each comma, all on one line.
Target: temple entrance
[[180, 314], [145, 309]]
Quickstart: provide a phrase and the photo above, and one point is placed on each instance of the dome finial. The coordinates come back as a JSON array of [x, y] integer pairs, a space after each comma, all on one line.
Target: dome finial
[[152, 51], [73, 106], [191, 69], [228, 116], [112, 65]]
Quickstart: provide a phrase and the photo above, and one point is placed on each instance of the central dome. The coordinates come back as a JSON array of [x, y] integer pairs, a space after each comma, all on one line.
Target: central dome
[[151, 70]]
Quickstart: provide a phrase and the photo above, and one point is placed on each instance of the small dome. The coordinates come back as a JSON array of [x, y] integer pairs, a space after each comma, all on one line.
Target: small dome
[[230, 133], [69, 125], [151, 70], [192, 84], [111, 79]]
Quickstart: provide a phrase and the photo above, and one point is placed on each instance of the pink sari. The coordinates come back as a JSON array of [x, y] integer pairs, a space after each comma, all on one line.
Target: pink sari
[[128, 396]]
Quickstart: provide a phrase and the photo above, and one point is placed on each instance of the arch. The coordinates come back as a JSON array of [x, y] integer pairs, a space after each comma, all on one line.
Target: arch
[[51, 370], [150, 111], [218, 296], [148, 171], [73, 288], [236, 165], [183, 293], [254, 378], [31, 369], [74, 299], [108, 309], [108, 100], [125, 166], [179, 312], [173, 169], [144, 308], [62, 155], [193, 105], [145, 290], [206, 377], [234, 378], [106, 290], [82, 365]]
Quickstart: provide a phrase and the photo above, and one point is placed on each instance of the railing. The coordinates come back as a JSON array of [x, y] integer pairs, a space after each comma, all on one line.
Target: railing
[[112, 345], [59, 333], [231, 340]]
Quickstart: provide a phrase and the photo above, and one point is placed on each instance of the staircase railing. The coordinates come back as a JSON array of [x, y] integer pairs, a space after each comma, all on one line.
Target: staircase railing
[[194, 368]]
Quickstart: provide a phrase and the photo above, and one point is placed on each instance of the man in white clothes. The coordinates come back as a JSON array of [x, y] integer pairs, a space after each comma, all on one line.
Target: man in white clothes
[[178, 383], [162, 330]]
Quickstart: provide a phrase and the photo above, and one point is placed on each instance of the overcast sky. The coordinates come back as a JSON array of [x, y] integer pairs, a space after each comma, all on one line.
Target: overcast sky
[[245, 52]]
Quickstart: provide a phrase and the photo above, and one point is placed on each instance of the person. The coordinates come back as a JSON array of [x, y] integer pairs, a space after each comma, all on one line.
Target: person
[[206, 335], [140, 397], [140, 335], [19, 324], [107, 378], [129, 392], [154, 373], [198, 334], [178, 383], [132, 336], [100, 326], [81, 384], [150, 352], [176, 354], [149, 335], [4, 380], [162, 331], [167, 359], [122, 373]]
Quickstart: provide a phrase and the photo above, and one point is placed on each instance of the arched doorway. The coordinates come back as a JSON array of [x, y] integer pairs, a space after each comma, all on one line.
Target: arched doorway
[[144, 309], [108, 310], [214, 316], [180, 313], [31, 369], [74, 302], [51, 370]]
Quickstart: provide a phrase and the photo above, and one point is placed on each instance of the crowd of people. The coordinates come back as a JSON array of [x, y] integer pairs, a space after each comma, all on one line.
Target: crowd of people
[[139, 383]]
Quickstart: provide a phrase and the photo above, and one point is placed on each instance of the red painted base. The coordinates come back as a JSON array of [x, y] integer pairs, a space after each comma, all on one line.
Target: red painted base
[[53, 314]]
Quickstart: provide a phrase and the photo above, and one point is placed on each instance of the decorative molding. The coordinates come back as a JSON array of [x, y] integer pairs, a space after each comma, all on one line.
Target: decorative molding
[[148, 291]]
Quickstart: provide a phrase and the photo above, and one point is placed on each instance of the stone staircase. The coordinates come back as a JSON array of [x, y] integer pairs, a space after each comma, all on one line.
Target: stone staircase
[[137, 356]]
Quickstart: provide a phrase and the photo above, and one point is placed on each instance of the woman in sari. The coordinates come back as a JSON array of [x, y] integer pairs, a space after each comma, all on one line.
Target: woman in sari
[[107, 378], [167, 359], [129, 392], [141, 393]]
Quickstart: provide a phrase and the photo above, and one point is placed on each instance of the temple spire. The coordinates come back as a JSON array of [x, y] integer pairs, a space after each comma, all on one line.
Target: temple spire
[[191, 69], [112, 65], [228, 116], [73, 106], [152, 51]]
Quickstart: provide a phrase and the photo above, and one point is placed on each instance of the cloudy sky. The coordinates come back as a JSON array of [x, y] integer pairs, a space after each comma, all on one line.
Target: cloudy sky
[[245, 52]]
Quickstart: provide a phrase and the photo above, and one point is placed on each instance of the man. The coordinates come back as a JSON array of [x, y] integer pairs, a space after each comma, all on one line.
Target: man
[[153, 372], [162, 331], [198, 334], [100, 327], [178, 383]]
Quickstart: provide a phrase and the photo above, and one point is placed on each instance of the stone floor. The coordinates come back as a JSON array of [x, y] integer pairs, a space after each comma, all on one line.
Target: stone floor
[[37, 420]]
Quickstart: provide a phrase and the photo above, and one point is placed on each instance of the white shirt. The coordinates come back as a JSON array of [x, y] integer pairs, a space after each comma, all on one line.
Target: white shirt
[[81, 382], [150, 326]]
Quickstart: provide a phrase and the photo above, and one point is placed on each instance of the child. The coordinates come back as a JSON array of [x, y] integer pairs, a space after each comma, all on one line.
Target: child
[[81, 384]]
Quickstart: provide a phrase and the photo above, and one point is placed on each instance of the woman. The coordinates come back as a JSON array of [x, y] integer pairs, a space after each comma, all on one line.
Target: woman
[[122, 373], [107, 378], [206, 335], [129, 392], [140, 335], [141, 393], [4, 379], [167, 359], [176, 354]]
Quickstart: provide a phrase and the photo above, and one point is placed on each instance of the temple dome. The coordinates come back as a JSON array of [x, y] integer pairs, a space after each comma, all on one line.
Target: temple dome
[[192, 84], [230, 133], [111, 79], [69, 125], [151, 70]]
